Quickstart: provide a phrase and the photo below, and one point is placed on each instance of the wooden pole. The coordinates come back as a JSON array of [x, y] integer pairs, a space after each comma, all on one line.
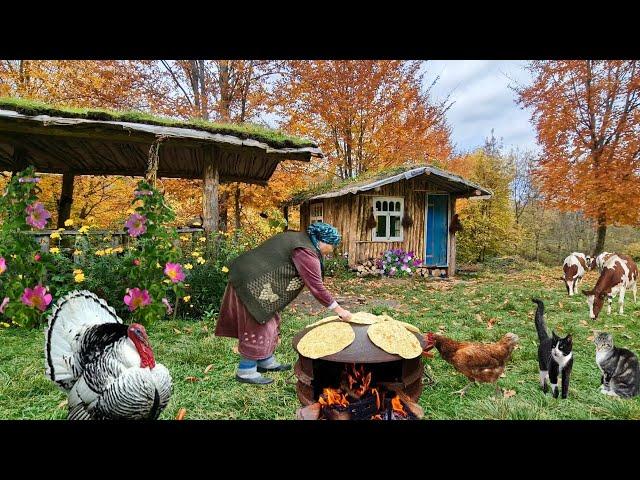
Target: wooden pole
[[452, 242], [211, 183], [285, 212], [66, 199]]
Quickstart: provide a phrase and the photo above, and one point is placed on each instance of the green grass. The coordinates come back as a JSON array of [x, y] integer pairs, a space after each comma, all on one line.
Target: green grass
[[273, 138], [461, 311]]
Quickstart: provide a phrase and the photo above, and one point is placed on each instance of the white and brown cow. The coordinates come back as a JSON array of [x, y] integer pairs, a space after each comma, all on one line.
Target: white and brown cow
[[619, 273], [574, 268], [600, 260]]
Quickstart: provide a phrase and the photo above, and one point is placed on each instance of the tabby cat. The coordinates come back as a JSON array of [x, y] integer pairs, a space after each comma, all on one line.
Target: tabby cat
[[619, 367]]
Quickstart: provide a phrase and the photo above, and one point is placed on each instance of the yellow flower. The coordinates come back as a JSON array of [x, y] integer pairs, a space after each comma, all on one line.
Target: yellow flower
[[108, 251], [54, 236], [201, 261], [5, 324], [83, 229], [184, 238], [202, 239], [196, 254], [167, 281], [187, 298], [14, 256], [197, 224], [118, 250], [20, 276], [77, 252], [77, 271], [99, 253], [188, 266], [225, 269], [68, 222], [130, 211], [54, 250], [79, 277], [158, 265], [60, 230]]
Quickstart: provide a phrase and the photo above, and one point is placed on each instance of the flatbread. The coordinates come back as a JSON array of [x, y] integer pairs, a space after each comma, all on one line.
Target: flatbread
[[324, 320], [408, 326], [394, 338], [364, 318], [326, 340]]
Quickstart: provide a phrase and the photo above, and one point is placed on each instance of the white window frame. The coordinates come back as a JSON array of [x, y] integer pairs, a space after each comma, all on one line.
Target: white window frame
[[316, 218], [388, 214]]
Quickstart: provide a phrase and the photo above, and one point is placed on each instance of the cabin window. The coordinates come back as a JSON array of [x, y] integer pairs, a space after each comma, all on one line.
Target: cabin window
[[316, 212], [388, 212]]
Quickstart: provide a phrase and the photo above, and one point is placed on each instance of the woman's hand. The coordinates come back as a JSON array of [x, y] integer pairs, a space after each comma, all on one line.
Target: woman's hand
[[345, 315]]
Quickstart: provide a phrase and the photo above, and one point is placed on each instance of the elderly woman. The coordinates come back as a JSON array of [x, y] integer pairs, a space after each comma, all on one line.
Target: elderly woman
[[262, 282]]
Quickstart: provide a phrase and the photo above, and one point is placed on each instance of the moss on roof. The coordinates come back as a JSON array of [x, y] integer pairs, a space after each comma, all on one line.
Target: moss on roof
[[333, 185], [273, 138]]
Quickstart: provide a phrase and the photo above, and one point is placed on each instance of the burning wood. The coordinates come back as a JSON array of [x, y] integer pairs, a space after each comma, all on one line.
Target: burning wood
[[358, 399]]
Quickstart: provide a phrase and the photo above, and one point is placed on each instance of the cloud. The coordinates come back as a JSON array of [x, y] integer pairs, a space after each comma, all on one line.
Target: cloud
[[483, 100]]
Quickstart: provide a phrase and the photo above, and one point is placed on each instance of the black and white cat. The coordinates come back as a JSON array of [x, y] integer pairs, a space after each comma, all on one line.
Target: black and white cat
[[555, 355], [619, 367]]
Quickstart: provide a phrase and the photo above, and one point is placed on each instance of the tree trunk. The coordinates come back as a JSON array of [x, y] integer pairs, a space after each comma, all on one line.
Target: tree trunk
[[210, 213], [602, 234], [66, 199], [237, 207], [224, 211]]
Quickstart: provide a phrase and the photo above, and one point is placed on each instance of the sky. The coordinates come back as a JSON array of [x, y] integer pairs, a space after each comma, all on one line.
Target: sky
[[483, 100]]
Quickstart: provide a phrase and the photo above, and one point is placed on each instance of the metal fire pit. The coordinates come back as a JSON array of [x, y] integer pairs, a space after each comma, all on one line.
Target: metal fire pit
[[361, 350]]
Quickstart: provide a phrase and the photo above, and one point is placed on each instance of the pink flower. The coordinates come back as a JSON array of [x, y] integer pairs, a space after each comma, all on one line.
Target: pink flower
[[136, 298], [37, 215], [136, 225], [4, 304], [3, 265], [136, 262], [168, 305], [174, 272], [37, 257], [140, 193], [36, 298], [29, 180]]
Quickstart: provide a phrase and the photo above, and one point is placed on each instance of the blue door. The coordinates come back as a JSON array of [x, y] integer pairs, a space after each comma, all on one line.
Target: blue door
[[437, 230]]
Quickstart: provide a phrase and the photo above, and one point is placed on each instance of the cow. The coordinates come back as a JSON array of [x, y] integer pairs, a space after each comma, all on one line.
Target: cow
[[574, 267], [599, 260], [619, 273]]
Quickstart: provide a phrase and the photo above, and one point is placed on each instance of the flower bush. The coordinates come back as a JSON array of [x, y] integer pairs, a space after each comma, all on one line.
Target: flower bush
[[24, 296], [398, 263]]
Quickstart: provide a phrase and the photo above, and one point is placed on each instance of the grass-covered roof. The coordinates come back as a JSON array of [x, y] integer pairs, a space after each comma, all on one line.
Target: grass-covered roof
[[273, 138]]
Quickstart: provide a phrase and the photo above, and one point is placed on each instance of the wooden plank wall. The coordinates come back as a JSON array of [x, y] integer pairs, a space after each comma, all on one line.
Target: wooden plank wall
[[349, 214]]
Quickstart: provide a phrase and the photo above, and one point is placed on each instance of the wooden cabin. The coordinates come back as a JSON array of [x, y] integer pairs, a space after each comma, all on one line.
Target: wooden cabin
[[411, 210]]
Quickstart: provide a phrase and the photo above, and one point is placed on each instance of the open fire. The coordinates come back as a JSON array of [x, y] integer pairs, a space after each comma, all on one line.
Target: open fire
[[359, 397]]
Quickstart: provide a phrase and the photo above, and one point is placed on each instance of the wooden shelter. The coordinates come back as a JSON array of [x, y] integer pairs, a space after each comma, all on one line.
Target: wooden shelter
[[100, 142], [410, 208]]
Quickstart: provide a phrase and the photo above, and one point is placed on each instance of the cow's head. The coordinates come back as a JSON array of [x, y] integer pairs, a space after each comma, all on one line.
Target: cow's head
[[591, 262], [595, 302]]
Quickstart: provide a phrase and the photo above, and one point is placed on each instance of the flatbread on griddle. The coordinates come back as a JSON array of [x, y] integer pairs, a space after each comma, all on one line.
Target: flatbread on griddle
[[326, 340], [332, 318], [364, 318], [394, 338]]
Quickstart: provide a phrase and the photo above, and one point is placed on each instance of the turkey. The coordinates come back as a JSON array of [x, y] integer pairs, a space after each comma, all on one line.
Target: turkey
[[107, 368]]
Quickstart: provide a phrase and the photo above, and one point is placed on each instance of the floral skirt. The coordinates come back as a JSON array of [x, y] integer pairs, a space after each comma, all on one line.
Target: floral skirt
[[255, 341]]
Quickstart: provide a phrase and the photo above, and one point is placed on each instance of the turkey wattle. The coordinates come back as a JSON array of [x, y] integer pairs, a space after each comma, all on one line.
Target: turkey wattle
[[107, 368]]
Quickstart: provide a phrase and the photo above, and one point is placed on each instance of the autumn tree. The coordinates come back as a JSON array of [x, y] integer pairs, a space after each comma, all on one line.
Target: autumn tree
[[366, 114], [587, 117]]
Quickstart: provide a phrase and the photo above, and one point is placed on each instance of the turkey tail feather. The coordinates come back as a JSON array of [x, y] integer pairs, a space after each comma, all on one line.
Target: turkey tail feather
[[70, 318]]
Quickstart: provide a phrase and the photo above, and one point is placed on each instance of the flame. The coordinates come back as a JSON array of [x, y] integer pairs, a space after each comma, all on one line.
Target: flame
[[397, 407], [332, 396]]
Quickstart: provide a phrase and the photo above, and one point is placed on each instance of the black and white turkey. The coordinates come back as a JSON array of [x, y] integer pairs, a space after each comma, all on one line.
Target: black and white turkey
[[107, 368]]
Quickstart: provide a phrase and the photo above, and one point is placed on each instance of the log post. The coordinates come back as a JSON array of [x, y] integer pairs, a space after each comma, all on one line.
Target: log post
[[66, 199], [452, 241], [285, 213], [211, 183]]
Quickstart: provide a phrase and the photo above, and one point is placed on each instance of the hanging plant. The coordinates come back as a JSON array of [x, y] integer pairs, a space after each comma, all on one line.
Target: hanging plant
[[371, 221], [407, 221]]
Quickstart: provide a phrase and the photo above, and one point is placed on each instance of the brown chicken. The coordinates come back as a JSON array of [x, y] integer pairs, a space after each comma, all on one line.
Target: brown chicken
[[479, 362]]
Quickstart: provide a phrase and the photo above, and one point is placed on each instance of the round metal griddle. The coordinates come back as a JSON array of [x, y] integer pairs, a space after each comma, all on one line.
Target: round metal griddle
[[361, 350]]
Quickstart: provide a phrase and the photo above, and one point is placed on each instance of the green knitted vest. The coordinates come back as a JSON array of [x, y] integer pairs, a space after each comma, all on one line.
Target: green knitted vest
[[265, 278]]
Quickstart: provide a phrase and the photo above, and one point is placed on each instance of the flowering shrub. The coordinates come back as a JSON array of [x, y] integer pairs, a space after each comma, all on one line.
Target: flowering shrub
[[398, 263], [23, 268]]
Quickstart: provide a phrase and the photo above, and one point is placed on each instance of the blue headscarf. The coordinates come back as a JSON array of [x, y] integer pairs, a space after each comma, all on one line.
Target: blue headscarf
[[323, 232]]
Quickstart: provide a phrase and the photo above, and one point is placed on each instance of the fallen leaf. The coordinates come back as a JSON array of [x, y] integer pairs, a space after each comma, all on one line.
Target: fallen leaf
[[181, 413], [192, 379], [560, 305], [478, 317], [491, 322], [503, 375], [584, 323], [205, 328], [188, 330], [590, 338], [176, 331], [235, 349], [63, 403], [208, 369], [509, 393]]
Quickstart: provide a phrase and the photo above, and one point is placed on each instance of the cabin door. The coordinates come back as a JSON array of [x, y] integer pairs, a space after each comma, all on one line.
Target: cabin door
[[436, 234]]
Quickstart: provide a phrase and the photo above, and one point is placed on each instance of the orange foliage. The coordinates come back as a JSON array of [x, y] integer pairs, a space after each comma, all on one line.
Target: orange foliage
[[587, 116]]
